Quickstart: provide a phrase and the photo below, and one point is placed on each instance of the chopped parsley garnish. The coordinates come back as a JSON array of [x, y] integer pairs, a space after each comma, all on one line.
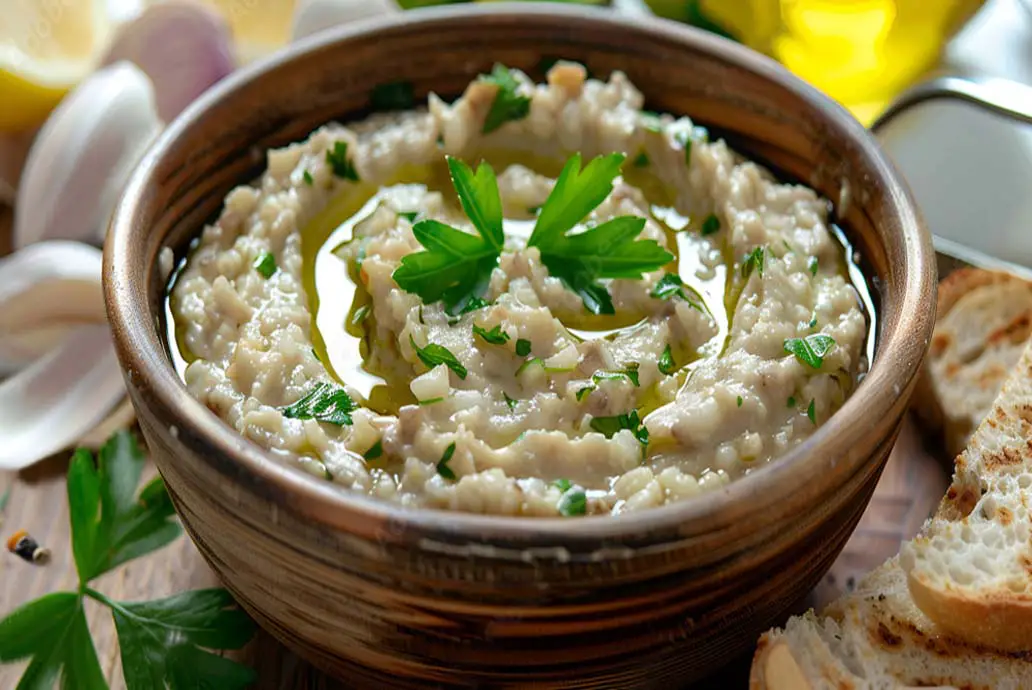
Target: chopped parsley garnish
[[456, 266], [813, 320], [811, 349], [375, 451], [685, 140], [316, 355], [563, 485], [753, 262], [740, 401], [265, 264], [410, 216], [811, 412], [509, 401], [442, 464], [324, 403], [495, 336], [813, 265], [508, 105], [522, 347], [429, 401], [397, 95], [641, 160], [791, 401], [307, 177], [666, 362], [585, 391], [434, 355], [338, 159], [608, 426], [630, 373], [608, 250], [573, 502], [360, 315], [651, 121], [711, 225], [671, 285], [529, 363]]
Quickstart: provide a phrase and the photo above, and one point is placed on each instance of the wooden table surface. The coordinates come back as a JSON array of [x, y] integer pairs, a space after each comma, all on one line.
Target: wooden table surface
[[910, 487]]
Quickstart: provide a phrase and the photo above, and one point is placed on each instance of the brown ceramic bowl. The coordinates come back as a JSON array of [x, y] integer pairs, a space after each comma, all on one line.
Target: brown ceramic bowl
[[388, 597]]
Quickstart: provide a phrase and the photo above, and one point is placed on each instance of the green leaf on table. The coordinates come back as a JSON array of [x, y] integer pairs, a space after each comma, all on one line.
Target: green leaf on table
[[326, 402], [508, 105], [52, 630], [434, 355], [811, 349], [163, 641]]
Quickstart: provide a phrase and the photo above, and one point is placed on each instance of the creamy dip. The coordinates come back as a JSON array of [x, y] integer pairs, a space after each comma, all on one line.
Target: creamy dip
[[288, 311]]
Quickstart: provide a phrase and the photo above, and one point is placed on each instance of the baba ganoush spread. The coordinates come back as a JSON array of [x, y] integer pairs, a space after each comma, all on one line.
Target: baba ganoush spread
[[537, 300]]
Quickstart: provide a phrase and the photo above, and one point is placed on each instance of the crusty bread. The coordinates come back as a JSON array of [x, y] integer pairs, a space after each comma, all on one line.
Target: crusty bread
[[955, 609], [983, 320], [970, 569]]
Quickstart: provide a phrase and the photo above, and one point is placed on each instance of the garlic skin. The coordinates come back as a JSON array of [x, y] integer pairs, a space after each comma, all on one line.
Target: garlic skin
[[46, 291], [55, 341], [83, 155], [184, 47], [313, 16]]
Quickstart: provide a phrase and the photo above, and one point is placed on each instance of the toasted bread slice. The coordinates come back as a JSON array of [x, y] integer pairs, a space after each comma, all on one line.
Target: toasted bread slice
[[876, 638], [983, 320], [970, 569], [955, 609]]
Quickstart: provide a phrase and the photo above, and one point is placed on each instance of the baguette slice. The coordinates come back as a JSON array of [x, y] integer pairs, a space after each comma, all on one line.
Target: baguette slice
[[983, 320], [970, 570], [876, 638]]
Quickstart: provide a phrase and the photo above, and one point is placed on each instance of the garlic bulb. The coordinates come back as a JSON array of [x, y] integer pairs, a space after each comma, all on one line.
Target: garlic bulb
[[54, 338], [82, 157], [184, 47], [312, 16]]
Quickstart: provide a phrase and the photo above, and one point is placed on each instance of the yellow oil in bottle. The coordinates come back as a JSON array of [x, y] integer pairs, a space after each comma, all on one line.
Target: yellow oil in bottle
[[860, 52]]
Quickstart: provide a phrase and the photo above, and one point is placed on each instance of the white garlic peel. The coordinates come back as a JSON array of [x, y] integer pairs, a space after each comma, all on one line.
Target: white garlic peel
[[46, 291], [82, 157], [312, 16], [184, 47], [58, 399]]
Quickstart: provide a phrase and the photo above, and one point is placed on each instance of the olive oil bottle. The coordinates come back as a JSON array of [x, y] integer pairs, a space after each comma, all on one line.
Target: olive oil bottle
[[860, 52]]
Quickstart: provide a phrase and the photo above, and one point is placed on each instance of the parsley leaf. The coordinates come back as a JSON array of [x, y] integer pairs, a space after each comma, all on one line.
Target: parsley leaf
[[410, 216], [456, 266], [109, 524], [573, 502], [509, 401], [711, 225], [160, 640], [434, 355], [753, 262], [666, 362], [495, 336], [522, 347], [326, 402], [608, 426], [586, 390], [52, 630], [630, 373], [375, 450], [307, 177], [563, 485], [442, 465], [811, 349], [740, 401], [811, 412], [790, 402], [396, 95], [337, 157], [641, 160], [507, 105], [265, 264], [671, 285], [813, 265], [609, 250], [685, 140]]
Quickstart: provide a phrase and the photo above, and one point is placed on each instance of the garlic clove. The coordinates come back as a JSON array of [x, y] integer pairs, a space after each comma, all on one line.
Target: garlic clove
[[312, 16], [46, 290], [58, 399], [184, 47], [82, 157]]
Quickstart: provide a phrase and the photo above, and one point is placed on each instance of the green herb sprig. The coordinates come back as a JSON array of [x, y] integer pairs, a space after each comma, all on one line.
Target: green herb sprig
[[811, 349], [325, 402], [434, 355], [508, 105], [608, 426], [163, 643]]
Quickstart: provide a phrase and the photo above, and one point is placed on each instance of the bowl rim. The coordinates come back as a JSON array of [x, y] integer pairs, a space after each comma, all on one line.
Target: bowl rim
[[147, 366]]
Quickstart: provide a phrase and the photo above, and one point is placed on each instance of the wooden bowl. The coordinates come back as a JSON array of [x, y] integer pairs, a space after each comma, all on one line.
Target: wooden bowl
[[388, 597]]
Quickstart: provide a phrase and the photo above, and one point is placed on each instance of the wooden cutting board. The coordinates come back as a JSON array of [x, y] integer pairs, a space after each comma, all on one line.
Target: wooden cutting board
[[910, 488]]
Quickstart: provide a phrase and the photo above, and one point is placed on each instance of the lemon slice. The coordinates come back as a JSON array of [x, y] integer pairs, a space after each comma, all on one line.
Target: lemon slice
[[46, 48]]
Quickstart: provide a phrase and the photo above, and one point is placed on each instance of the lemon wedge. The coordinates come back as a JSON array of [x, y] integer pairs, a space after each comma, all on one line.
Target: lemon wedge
[[46, 48]]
